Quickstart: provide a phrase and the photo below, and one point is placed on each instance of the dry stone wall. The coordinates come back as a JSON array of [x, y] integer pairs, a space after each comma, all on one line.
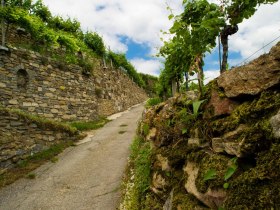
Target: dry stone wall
[[21, 138], [42, 86]]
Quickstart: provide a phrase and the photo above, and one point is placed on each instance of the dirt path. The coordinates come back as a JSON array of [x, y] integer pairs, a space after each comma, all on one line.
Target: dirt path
[[86, 177]]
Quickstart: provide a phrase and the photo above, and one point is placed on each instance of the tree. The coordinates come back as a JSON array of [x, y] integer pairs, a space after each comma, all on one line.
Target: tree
[[195, 32], [95, 42], [235, 11]]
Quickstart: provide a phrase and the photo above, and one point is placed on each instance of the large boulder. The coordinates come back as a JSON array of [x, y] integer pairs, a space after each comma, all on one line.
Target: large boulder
[[260, 74], [218, 106]]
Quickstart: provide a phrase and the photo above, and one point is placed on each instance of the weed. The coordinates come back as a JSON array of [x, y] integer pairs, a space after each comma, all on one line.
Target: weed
[[40, 121], [31, 176], [152, 102], [146, 129], [90, 125], [140, 165], [54, 159], [98, 92], [210, 174], [196, 105], [25, 167]]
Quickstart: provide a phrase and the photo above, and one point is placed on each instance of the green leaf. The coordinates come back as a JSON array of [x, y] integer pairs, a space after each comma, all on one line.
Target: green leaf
[[196, 105], [170, 16], [230, 171], [234, 160], [226, 185], [185, 130], [210, 174]]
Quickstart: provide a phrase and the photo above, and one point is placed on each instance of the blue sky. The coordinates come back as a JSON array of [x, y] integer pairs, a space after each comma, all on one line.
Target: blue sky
[[133, 27]]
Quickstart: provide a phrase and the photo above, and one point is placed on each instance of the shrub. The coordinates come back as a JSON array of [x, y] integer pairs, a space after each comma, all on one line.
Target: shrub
[[95, 42], [153, 102]]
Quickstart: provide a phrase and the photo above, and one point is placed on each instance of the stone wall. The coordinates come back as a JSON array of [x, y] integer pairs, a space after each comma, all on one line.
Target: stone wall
[[21, 137], [42, 86]]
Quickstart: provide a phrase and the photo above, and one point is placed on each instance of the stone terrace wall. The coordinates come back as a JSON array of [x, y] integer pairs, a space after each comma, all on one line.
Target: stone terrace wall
[[47, 88], [20, 138]]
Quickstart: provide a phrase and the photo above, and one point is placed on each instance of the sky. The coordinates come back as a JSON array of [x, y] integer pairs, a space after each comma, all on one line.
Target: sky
[[134, 27]]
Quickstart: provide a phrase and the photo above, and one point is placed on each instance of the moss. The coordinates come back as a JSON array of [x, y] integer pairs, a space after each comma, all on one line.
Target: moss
[[205, 162], [184, 201], [151, 201], [89, 125], [250, 112], [259, 187], [145, 129]]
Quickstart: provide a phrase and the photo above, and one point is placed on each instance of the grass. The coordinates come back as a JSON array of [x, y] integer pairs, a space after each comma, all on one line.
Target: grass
[[90, 125], [31, 176], [40, 121], [138, 180], [152, 102], [25, 167]]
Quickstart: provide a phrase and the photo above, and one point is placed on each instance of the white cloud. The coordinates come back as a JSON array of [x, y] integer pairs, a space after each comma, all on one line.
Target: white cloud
[[257, 31], [208, 76], [147, 66], [141, 22]]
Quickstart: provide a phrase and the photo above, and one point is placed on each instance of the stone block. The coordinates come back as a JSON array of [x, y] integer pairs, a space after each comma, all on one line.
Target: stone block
[[13, 102], [54, 111], [34, 104], [26, 104], [49, 95], [2, 85], [51, 138], [52, 89], [16, 123], [49, 115]]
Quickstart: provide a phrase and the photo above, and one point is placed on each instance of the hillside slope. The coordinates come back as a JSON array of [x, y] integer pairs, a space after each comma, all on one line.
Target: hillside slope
[[221, 152]]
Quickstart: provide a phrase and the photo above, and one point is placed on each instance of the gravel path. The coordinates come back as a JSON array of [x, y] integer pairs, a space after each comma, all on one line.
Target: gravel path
[[86, 177]]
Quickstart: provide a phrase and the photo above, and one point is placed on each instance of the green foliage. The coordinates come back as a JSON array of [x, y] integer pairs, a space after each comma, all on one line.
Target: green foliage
[[140, 167], [95, 42], [150, 83], [153, 101], [31, 176], [146, 129], [68, 25], [40, 10], [196, 105], [90, 125], [231, 169], [184, 131], [120, 61], [239, 10], [195, 32], [210, 174], [226, 185]]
